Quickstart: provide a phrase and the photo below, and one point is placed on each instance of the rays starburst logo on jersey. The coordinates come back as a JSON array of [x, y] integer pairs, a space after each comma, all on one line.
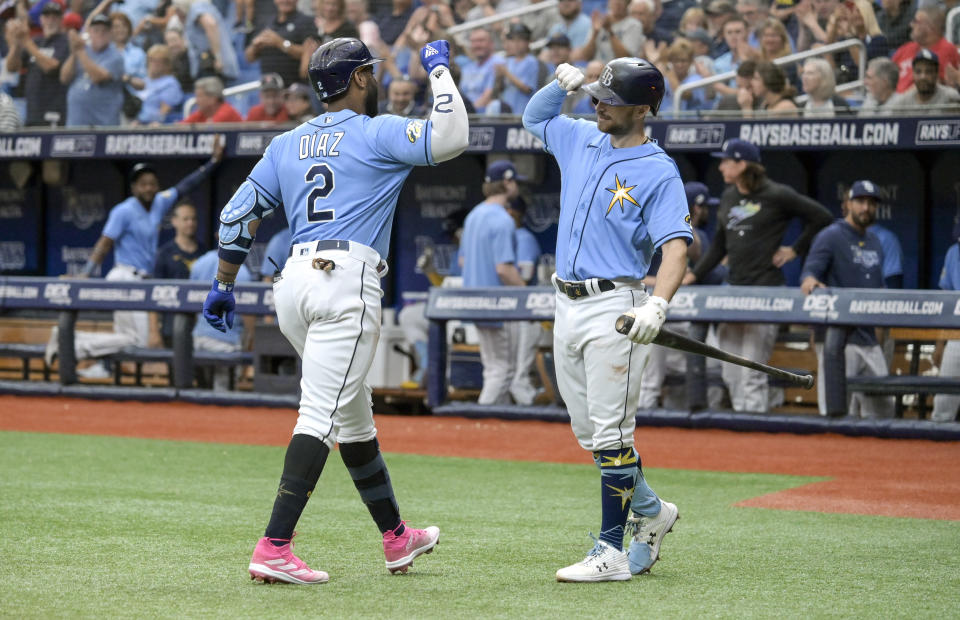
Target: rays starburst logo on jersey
[[621, 193], [625, 494]]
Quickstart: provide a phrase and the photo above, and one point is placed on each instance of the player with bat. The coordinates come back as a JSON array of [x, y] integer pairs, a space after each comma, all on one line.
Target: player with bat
[[620, 199]]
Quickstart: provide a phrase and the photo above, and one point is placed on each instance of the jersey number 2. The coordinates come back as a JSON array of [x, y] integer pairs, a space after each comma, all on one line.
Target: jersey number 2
[[321, 176]]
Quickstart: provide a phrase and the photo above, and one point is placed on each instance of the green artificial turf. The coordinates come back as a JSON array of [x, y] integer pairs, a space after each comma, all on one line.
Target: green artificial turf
[[111, 527]]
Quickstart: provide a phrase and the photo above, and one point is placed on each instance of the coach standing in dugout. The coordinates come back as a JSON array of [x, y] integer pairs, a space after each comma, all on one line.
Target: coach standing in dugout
[[132, 231], [620, 200], [754, 213], [847, 255]]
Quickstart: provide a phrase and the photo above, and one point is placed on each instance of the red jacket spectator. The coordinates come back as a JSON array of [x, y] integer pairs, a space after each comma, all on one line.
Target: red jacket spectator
[[211, 108], [926, 32], [259, 113], [226, 113], [270, 108]]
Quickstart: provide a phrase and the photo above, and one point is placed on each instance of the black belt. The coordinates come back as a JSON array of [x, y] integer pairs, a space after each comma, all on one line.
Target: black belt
[[326, 244], [576, 290]]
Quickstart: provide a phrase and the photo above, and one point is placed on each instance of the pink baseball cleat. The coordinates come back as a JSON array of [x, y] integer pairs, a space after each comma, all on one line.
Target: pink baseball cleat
[[401, 550], [273, 564]]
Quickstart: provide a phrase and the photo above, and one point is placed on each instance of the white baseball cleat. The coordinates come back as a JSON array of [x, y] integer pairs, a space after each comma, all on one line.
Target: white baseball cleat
[[647, 534], [603, 563]]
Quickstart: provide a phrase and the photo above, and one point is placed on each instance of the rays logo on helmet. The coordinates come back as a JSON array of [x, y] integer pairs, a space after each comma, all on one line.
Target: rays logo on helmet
[[606, 78], [429, 51]]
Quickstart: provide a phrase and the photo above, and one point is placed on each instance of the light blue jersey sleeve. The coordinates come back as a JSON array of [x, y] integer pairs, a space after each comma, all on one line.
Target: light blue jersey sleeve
[[404, 140], [161, 205], [117, 222], [528, 249], [264, 175], [671, 218], [950, 274], [503, 243], [562, 135], [892, 251]]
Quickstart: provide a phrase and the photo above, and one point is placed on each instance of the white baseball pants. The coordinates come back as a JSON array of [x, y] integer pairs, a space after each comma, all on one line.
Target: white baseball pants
[[749, 390], [860, 361], [945, 405], [598, 369], [332, 319], [498, 354]]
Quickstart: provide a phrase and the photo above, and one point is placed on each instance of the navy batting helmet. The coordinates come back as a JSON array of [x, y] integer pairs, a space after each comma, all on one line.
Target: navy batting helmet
[[334, 63], [629, 81], [141, 169]]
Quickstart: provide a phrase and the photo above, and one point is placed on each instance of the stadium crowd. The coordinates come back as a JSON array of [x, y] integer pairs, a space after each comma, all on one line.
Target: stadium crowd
[[135, 62]]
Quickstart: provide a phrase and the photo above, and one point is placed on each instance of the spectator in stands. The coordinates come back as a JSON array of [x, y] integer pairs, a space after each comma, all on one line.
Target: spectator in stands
[[572, 23], [393, 21], [299, 102], [279, 46], [755, 13], [678, 70], [926, 95], [528, 332], [151, 28], [161, 94], [670, 13], [753, 215], [368, 29], [94, 72], [134, 58], [558, 50], [490, 259], [211, 108], [330, 19], [521, 74], [131, 231], [134, 10], [847, 255], [881, 80], [9, 114], [894, 18], [744, 90], [945, 405], [206, 338], [702, 60], [271, 108], [179, 58], [718, 12], [693, 19], [813, 15], [645, 12], [613, 35], [854, 20], [173, 262], [42, 56], [402, 100], [735, 39], [926, 32], [821, 90], [774, 42], [580, 102], [769, 92], [477, 75], [209, 44]]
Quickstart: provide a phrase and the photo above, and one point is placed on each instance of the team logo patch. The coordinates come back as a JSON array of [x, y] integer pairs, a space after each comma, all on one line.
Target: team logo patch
[[414, 130], [621, 193], [606, 78], [742, 211], [429, 51], [687, 218]]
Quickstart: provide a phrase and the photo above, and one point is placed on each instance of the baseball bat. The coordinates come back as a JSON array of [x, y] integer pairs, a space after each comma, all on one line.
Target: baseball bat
[[667, 338]]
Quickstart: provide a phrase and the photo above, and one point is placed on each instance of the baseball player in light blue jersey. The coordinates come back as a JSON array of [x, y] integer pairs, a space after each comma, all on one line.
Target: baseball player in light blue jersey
[[337, 178], [275, 256], [205, 337], [132, 231], [489, 249], [620, 199], [892, 256], [528, 332], [945, 405]]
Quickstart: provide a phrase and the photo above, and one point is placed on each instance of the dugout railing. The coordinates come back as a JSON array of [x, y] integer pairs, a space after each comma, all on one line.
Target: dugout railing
[[837, 310]]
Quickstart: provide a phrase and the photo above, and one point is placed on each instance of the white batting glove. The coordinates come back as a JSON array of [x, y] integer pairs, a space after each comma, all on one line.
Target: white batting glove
[[569, 77], [648, 319]]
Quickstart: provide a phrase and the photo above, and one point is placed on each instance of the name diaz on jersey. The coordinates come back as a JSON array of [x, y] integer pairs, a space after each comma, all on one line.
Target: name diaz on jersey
[[316, 145]]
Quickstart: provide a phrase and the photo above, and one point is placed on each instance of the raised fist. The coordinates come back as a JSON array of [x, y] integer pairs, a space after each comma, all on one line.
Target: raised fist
[[569, 77], [435, 54]]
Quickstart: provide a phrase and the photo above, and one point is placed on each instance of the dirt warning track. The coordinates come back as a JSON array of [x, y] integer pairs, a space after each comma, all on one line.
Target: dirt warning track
[[890, 477]]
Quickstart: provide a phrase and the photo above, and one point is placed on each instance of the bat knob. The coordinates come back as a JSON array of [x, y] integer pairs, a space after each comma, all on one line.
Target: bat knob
[[624, 323], [808, 381]]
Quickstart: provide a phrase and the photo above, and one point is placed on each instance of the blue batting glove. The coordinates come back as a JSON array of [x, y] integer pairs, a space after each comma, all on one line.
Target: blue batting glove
[[435, 54], [220, 304]]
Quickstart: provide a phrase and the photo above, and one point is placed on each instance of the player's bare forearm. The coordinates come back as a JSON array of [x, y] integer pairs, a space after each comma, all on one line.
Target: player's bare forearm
[[672, 268], [227, 272], [101, 249], [509, 275]]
